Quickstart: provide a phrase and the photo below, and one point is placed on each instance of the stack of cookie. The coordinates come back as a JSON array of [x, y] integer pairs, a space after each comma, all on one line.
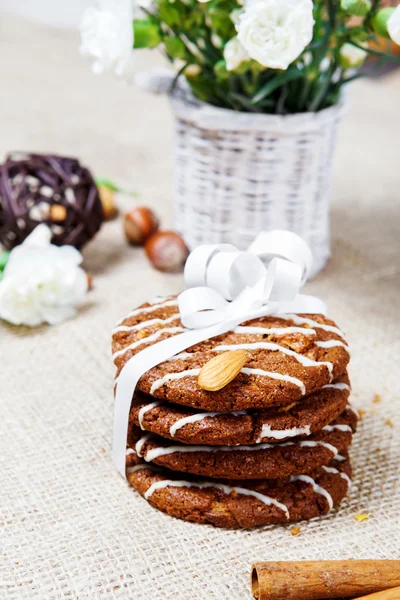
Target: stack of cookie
[[271, 446]]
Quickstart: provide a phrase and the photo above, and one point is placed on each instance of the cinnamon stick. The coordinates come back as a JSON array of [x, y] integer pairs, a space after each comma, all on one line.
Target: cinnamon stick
[[392, 594], [317, 580]]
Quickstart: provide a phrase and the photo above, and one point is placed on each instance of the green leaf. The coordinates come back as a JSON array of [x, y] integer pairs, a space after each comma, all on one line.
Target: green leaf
[[175, 48], [146, 34], [107, 183], [4, 256], [169, 14], [221, 71], [275, 83], [243, 102]]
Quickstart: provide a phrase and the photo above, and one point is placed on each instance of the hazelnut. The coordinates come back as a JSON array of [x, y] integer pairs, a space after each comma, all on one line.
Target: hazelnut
[[139, 224], [166, 251], [107, 197]]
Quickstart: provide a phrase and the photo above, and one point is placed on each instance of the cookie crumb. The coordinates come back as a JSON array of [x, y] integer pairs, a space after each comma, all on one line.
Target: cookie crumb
[[103, 450], [377, 399], [361, 517], [389, 422], [361, 413], [295, 531]]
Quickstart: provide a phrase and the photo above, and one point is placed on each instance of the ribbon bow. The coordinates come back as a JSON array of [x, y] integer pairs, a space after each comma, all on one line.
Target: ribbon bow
[[224, 282], [225, 287]]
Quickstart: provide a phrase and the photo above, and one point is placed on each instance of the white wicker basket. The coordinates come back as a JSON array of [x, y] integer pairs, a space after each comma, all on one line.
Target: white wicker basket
[[239, 173]]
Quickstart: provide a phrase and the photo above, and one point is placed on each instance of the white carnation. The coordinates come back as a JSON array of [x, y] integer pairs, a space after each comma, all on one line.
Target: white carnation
[[351, 56], [275, 32], [107, 35], [393, 25], [42, 283], [235, 15], [234, 54]]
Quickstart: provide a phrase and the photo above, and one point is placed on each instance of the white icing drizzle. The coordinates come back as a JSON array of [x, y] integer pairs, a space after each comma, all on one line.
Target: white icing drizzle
[[157, 299], [337, 428], [303, 360], [337, 386], [140, 443], [154, 453], [340, 458], [227, 489], [333, 344], [353, 410], [310, 444], [145, 324], [304, 321], [279, 434], [273, 330], [130, 451], [173, 377], [317, 488], [148, 309], [337, 472], [147, 340], [272, 375], [144, 410], [139, 468], [247, 371], [180, 356], [199, 417]]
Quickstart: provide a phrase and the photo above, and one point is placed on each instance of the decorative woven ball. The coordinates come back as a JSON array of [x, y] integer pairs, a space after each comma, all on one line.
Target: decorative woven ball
[[50, 189]]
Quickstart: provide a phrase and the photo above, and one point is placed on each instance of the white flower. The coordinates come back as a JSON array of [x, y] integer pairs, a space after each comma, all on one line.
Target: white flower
[[393, 25], [236, 15], [107, 35], [275, 32], [42, 283], [234, 54], [351, 56]]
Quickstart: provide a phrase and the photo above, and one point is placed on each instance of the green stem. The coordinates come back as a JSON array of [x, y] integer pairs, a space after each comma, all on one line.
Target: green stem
[[377, 53], [321, 93]]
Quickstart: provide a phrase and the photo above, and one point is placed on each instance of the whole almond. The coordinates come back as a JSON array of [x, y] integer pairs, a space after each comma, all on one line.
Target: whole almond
[[221, 370]]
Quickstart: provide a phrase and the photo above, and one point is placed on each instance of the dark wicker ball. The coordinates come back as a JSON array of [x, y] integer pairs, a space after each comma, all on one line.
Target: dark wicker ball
[[50, 189]]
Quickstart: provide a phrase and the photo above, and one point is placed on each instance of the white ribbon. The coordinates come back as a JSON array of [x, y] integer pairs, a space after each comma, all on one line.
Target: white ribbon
[[225, 288]]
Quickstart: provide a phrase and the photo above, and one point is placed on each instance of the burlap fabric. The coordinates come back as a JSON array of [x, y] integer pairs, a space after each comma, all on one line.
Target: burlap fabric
[[71, 528]]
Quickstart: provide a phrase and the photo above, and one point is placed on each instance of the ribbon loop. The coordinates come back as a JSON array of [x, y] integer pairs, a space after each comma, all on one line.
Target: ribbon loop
[[201, 307], [283, 244], [198, 261], [232, 282]]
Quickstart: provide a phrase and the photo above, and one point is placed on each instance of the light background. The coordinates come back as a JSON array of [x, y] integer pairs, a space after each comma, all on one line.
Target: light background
[[71, 528]]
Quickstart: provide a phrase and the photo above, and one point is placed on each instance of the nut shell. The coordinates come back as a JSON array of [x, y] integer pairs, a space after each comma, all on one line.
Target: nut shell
[[167, 251], [139, 224]]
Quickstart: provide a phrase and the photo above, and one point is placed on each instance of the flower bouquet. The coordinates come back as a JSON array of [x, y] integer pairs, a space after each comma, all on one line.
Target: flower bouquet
[[256, 92]]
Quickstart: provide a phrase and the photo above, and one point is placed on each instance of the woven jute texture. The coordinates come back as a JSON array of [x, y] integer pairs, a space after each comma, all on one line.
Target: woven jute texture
[[71, 528], [239, 174]]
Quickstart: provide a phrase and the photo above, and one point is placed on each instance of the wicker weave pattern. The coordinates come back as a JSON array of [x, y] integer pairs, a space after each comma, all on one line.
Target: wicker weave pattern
[[238, 174]]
